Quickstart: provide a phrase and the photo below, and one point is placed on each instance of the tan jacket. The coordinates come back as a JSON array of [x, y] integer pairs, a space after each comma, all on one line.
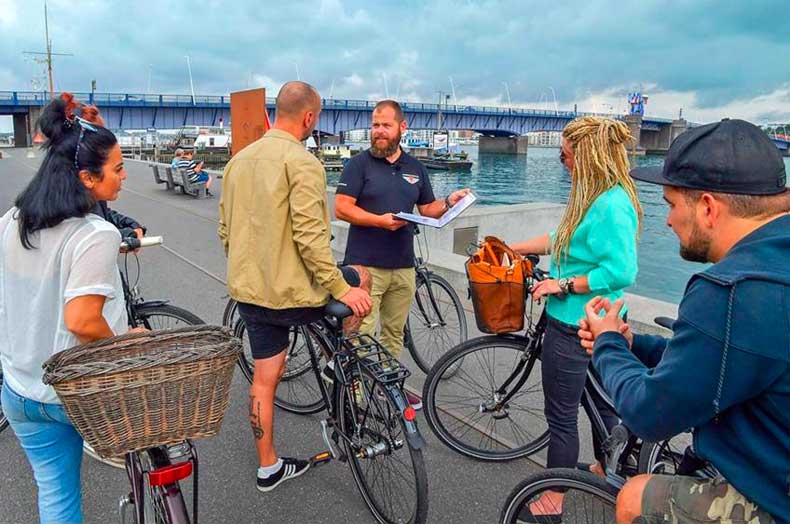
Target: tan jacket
[[274, 225]]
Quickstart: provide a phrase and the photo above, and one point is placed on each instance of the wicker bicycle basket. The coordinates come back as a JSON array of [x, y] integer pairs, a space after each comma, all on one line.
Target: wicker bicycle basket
[[140, 390]]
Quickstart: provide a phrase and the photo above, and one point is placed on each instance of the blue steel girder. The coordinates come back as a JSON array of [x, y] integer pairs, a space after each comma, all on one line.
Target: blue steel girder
[[153, 120]]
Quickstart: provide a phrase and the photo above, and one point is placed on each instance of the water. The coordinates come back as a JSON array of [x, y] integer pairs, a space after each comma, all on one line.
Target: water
[[539, 177]]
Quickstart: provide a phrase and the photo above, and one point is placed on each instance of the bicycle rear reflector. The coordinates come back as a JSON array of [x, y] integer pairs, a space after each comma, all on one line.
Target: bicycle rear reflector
[[409, 413], [170, 474]]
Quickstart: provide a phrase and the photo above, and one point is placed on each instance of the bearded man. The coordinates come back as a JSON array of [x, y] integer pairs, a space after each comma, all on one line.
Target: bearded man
[[374, 186]]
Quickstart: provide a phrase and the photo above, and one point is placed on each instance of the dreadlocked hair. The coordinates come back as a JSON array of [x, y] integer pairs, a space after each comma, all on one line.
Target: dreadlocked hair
[[600, 163]]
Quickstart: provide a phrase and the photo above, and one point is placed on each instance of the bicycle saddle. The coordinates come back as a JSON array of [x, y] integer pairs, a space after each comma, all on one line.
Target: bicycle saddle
[[337, 309]]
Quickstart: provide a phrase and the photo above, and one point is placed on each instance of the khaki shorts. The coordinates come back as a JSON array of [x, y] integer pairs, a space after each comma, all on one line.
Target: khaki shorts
[[688, 500]]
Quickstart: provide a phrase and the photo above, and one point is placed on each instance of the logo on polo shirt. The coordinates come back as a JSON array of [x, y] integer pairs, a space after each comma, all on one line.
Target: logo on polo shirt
[[411, 179]]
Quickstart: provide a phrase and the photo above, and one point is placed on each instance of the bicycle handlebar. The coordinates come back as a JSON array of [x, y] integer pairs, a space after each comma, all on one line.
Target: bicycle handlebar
[[132, 243]]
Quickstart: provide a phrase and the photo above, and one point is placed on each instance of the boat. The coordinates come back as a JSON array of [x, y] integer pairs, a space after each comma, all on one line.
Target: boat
[[448, 163], [202, 138]]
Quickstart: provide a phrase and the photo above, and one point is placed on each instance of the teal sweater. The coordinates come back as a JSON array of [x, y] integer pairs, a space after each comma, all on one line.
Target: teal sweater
[[603, 248]]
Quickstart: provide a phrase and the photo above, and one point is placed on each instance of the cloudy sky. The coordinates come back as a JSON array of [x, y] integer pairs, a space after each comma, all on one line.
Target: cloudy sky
[[711, 58]]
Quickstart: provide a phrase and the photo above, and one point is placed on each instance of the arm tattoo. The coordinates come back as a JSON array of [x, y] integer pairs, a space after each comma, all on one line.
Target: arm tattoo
[[255, 418]]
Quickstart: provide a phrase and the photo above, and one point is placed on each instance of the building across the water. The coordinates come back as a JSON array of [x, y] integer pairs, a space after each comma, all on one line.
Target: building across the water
[[544, 138]]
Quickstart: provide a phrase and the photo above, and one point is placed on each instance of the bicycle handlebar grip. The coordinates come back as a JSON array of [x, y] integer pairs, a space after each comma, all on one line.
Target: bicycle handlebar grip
[[665, 322], [135, 243]]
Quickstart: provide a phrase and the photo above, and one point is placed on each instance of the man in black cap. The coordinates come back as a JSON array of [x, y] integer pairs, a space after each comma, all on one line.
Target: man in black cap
[[726, 370]]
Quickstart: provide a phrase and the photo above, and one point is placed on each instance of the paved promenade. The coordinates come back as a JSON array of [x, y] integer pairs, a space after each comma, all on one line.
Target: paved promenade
[[461, 490]]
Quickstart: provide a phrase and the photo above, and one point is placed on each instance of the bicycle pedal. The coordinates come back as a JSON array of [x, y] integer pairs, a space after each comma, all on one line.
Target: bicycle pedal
[[324, 457]]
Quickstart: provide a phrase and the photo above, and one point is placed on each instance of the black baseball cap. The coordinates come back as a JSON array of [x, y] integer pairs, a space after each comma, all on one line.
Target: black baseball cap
[[731, 156]]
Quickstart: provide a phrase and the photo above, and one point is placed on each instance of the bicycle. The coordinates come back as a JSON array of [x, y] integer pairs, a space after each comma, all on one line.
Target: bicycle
[[437, 320], [370, 424], [436, 323], [584, 497], [150, 314], [483, 400]]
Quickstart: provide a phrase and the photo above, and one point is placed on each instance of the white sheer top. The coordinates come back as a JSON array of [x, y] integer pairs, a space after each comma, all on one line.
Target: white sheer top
[[75, 258]]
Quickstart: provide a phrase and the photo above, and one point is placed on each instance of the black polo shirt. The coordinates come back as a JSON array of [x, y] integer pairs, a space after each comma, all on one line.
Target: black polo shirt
[[383, 187]]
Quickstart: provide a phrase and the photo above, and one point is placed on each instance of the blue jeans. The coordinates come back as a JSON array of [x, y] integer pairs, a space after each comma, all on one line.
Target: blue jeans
[[54, 450]]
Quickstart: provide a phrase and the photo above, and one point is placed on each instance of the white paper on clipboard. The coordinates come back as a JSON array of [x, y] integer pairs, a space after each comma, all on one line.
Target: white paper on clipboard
[[460, 206]]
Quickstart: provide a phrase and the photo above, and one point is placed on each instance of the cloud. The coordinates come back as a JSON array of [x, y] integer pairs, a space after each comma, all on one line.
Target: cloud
[[8, 13], [708, 57]]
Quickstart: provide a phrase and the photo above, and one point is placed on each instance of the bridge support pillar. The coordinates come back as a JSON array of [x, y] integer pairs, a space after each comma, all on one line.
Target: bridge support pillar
[[22, 130], [634, 123], [507, 145]]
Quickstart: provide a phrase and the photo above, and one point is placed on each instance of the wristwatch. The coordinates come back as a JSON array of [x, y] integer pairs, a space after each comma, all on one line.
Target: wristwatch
[[566, 285], [447, 204]]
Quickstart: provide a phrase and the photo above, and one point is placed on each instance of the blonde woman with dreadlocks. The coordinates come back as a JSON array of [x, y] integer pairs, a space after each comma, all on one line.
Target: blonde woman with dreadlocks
[[593, 252]]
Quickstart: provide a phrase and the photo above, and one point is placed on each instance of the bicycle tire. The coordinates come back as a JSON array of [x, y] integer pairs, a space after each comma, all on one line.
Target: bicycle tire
[[382, 424], [569, 482], [3, 418], [426, 339], [165, 316], [452, 422], [297, 391], [229, 315]]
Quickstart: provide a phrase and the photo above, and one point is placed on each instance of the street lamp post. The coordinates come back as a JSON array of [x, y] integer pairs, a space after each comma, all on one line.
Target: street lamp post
[[191, 84], [507, 90]]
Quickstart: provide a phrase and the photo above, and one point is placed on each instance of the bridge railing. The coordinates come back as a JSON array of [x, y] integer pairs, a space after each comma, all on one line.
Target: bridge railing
[[134, 99], [26, 98]]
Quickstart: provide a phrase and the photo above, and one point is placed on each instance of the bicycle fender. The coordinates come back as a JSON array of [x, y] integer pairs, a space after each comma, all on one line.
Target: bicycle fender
[[412, 433], [413, 436], [152, 303]]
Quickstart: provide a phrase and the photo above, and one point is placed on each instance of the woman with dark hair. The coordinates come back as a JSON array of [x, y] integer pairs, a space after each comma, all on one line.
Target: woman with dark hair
[[59, 286]]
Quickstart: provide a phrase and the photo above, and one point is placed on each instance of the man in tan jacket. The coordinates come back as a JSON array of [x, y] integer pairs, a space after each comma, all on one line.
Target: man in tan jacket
[[275, 228]]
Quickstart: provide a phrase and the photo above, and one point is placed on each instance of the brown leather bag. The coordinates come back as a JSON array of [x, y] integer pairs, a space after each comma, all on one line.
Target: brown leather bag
[[498, 290]]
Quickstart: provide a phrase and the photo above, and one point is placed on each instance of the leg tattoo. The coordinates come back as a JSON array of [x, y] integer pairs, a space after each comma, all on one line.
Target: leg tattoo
[[255, 418]]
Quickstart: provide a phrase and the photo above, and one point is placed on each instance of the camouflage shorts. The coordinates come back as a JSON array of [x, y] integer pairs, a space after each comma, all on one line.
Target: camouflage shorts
[[688, 500]]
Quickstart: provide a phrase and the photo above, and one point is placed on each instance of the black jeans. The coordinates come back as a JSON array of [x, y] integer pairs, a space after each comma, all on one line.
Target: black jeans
[[564, 366]]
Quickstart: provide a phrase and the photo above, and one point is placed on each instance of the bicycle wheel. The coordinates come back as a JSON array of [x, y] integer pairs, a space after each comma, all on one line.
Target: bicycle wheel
[[388, 471], [431, 331], [298, 391], [663, 458], [166, 316], [463, 405], [578, 496], [3, 419]]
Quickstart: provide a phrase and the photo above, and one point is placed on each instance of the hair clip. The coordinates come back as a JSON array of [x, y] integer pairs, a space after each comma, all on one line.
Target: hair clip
[[84, 123]]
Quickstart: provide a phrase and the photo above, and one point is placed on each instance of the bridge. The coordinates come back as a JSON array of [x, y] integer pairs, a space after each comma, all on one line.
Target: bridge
[[502, 127]]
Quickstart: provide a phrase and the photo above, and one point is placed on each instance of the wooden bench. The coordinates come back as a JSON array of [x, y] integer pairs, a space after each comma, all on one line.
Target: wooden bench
[[196, 189], [158, 178]]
